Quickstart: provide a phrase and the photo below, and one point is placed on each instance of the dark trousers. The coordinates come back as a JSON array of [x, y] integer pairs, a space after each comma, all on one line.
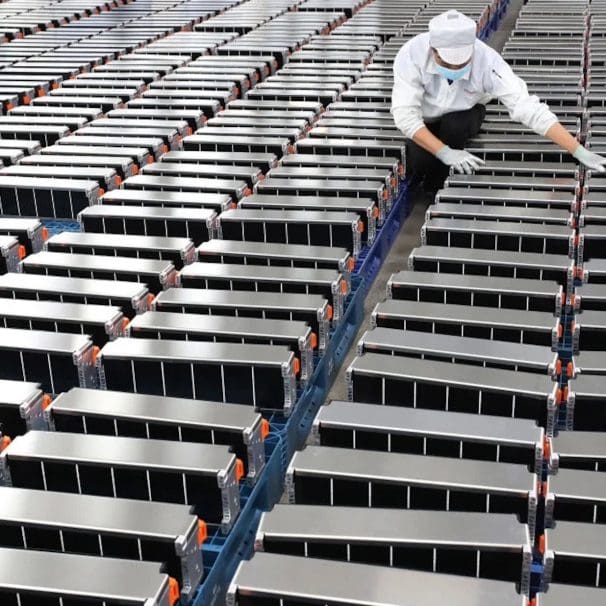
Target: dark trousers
[[454, 129]]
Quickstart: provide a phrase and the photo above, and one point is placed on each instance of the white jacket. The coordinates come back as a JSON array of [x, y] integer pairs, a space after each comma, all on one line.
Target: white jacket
[[421, 95]]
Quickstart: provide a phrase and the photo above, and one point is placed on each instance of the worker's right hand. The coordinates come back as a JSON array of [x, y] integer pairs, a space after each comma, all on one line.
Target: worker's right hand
[[589, 159], [459, 159]]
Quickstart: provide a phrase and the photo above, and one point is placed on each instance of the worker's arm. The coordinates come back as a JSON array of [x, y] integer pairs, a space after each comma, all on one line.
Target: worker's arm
[[560, 136], [528, 109]]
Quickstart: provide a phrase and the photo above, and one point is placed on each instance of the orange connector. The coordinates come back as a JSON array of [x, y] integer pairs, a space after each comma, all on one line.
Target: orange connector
[[314, 340], [329, 312], [4, 442], [118, 181], [296, 366], [125, 323], [351, 264], [202, 532], [46, 401], [174, 593], [150, 299], [265, 428], [361, 227], [22, 252], [96, 352], [542, 544], [239, 469], [569, 370], [26, 99], [45, 234], [546, 447], [375, 212]]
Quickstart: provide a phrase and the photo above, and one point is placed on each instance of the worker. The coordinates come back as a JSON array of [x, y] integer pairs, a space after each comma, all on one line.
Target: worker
[[442, 81]]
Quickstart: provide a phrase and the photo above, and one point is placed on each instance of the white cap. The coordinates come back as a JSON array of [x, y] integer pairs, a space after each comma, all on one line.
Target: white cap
[[453, 35]]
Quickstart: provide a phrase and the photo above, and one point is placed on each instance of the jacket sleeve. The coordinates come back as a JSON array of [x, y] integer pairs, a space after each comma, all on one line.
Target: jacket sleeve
[[512, 91], [407, 94]]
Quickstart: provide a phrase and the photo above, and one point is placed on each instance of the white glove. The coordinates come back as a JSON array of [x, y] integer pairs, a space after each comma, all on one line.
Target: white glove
[[459, 159], [589, 159]]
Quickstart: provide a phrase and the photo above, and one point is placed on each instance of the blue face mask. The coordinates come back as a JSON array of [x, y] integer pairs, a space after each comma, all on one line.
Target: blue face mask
[[453, 74]]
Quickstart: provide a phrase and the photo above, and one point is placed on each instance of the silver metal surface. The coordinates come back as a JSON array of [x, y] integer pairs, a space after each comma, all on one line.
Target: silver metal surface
[[499, 354], [273, 577], [239, 420], [57, 574]]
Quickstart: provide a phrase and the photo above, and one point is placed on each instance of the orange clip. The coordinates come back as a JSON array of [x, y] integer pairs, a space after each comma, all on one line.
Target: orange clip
[[189, 131], [361, 227], [343, 287], [329, 312], [125, 323], [314, 340], [247, 192], [532, 602], [101, 192], [150, 160], [40, 92], [232, 205], [96, 351], [547, 447], [4, 442], [291, 149], [22, 251], [150, 299], [569, 370], [9, 106], [351, 264], [26, 99], [265, 428], [560, 330], [55, 85], [542, 544], [296, 366], [558, 367], [385, 194], [239, 469], [375, 212], [46, 401], [135, 170], [118, 181], [401, 170], [164, 149], [565, 394], [174, 593], [44, 233], [202, 532]]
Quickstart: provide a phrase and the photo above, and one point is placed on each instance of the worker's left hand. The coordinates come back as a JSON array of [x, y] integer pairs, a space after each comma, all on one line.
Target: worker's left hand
[[590, 159]]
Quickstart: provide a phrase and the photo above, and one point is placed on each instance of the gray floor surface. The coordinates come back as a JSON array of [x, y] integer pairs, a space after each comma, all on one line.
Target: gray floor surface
[[408, 237]]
